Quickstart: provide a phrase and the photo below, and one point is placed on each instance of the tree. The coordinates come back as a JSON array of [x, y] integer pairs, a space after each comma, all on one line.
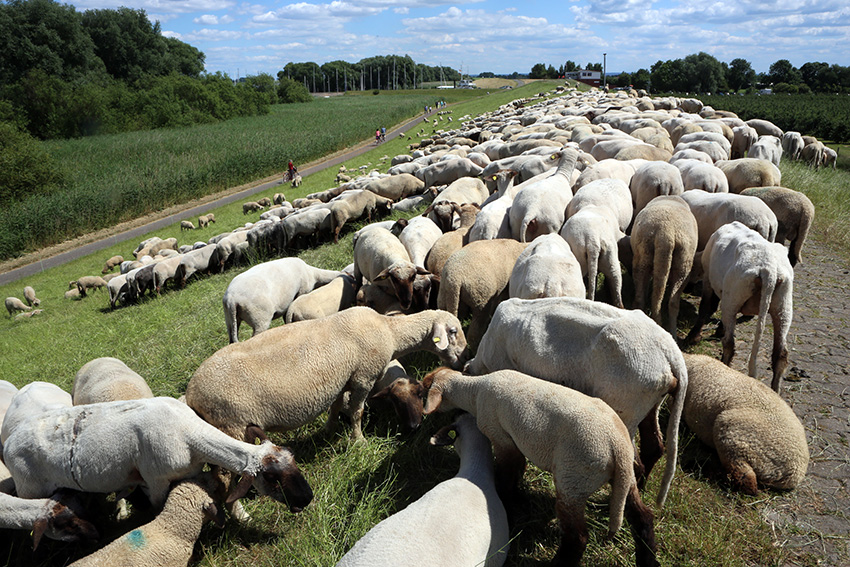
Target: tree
[[623, 80], [290, 90], [784, 72], [570, 66], [641, 79], [740, 74], [538, 71], [551, 72]]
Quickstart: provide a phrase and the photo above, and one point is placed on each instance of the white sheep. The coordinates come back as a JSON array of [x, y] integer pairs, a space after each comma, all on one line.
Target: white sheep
[[620, 356], [111, 263], [540, 208], [652, 179], [546, 268], [7, 392], [107, 379], [493, 220], [593, 235], [353, 205], [14, 304], [746, 274], [86, 283], [418, 236], [697, 174], [713, 210], [382, 259], [112, 446], [325, 300], [29, 402], [187, 225], [460, 521], [454, 240], [169, 539], [251, 207], [794, 212], [30, 298], [768, 148], [578, 438], [750, 172], [611, 193], [54, 517], [285, 377], [264, 292], [756, 434], [664, 242]]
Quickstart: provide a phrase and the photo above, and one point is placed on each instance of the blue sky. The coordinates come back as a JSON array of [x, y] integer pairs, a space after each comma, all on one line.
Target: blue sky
[[501, 36]]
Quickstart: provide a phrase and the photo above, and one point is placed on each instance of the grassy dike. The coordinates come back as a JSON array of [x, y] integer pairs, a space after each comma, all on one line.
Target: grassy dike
[[356, 485]]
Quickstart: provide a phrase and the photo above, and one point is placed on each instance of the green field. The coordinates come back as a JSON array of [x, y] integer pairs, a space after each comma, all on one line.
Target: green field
[[165, 338]]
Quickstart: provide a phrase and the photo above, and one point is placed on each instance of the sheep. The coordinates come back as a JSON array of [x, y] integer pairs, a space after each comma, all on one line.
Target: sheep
[[165, 270], [744, 138], [169, 539], [289, 375], [278, 199], [226, 250], [700, 175], [768, 148], [251, 207], [713, 210], [578, 438], [652, 179], [445, 172], [29, 314], [540, 208], [418, 236], [749, 172], [296, 180], [265, 202], [493, 221], [111, 263], [264, 293], [206, 219], [460, 521], [746, 274], [610, 193], [107, 380], [452, 241], [593, 236], [86, 283], [546, 268], [378, 299], [117, 289], [460, 192], [7, 392], [396, 187], [312, 222], [412, 203], [145, 245], [72, 294], [54, 517], [620, 356], [354, 205], [325, 300], [756, 435], [664, 242], [764, 127], [14, 304], [29, 402], [86, 448], [475, 279], [155, 246], [830, 157], [186, 225], [382, 259], [794, 213]]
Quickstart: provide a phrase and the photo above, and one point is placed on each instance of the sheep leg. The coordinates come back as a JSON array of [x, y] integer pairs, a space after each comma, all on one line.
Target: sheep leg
[[642, 526], [651, 447], [356, 401], [611, 268], [779, 358], [333, 413], [573, 533], [729, 310], [707, 306], [509, 468]]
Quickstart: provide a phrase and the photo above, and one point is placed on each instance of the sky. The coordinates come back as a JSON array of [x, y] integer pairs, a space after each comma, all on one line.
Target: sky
[[500, 36]]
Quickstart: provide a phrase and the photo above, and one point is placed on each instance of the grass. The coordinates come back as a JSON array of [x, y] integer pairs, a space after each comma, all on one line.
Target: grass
[[356, 485]]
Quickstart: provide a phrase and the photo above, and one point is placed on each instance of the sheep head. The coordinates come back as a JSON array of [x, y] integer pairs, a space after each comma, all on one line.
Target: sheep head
[[406, 397], [60, 522], [434, 384], [448, 339], [401, 276]]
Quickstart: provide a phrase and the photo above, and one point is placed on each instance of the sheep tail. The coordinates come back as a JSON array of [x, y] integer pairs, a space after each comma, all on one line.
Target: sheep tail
[[661, 265], [768, 286], [592, 270], [680, 373], [621, 483], [231, 319]]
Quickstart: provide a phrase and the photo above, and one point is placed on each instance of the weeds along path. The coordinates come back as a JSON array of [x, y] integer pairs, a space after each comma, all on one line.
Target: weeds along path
[[71, 250]]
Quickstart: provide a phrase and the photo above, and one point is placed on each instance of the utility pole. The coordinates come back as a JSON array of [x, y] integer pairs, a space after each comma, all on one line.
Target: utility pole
[[604, 71]]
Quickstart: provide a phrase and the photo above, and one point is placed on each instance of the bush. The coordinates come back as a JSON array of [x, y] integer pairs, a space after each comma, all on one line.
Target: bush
[[290, 90], [25, 168]]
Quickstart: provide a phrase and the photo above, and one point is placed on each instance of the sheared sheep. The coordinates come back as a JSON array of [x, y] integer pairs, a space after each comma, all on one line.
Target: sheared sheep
[[325, 300], [578, 438], [285, 377], [86, 283], [593, 236], [794, 212], [54, 517], [382, 259], [111, 263], [546, 268], [452, 241], [251, 207], [107, 379]]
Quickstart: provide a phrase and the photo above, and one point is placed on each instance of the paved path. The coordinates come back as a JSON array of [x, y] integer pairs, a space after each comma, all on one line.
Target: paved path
[[137, 232]]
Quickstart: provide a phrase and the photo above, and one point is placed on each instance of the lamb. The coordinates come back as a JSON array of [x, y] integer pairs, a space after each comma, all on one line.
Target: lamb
[[664, 241], [107, 380], [546, 268], [205, 220], [30, 401], [86, 283], [325, 300], [169, 539], [29, 314], [713, 210], [578, 438], [378, 299], [756, 435], [620, 356], [251, 207], [593, 236], [418, 236], [289, 375], [264, 293], [76, 447], [111, 263], [382, 259], [794, 214], [54, 517], [475, 279], [747, 274], [354, 205], [186, 225], [452, 241], [749, 172], [14, 304], [461, 521], [540, 208], [72, 294]]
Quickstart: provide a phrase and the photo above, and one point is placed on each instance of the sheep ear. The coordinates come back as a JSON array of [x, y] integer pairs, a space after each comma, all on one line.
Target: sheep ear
[[383, 275], [428, 210], [422, 271], [439, 336], [254, 433], [435, 397], [38, 530], [241, 489], [443, 437], [214, 514]]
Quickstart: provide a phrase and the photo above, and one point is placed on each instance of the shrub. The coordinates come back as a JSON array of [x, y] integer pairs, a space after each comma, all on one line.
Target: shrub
[[290, 90], [25, 167]]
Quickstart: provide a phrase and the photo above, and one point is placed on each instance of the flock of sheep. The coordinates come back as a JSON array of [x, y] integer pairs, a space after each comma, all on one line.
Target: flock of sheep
[[525, 207]]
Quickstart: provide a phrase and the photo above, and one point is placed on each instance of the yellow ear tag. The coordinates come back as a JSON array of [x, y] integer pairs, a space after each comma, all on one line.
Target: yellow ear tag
[[494, 178], [436, 339]]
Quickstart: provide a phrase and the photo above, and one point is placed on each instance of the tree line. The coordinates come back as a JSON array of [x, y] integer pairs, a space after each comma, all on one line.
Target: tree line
[[703, 73]]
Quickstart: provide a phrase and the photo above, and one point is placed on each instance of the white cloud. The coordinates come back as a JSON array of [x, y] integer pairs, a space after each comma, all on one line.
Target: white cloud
[[207, 20], [207, 34]]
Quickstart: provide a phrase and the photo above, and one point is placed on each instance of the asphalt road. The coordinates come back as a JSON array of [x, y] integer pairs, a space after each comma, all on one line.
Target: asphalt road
[[135, 233]]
